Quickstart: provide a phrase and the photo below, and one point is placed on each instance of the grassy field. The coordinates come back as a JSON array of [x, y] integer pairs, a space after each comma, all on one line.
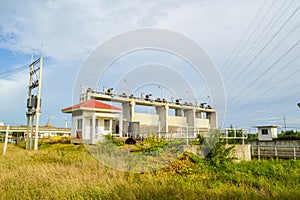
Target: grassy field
[[66, 171]]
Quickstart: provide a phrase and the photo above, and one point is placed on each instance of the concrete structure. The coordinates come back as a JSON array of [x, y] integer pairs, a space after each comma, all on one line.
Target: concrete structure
[[88, 117], [267, 133], [91, 120], [276, 149]]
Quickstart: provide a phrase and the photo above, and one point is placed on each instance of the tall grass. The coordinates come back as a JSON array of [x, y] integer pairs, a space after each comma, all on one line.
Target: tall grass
[[65, 171]]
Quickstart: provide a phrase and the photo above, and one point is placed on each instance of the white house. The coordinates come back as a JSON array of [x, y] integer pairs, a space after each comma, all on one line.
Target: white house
[[267, 133], [92, 119]]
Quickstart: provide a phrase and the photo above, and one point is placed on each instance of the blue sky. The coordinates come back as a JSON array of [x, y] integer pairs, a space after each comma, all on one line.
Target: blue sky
[[252, 43]]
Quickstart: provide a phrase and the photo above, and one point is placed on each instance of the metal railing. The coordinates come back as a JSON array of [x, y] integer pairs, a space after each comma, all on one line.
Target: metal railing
[[274, 151]]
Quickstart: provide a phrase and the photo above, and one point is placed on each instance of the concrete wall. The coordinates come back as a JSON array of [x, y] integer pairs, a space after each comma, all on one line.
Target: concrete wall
[[241, 152], [146, 119], [201, 123], [177, 121]]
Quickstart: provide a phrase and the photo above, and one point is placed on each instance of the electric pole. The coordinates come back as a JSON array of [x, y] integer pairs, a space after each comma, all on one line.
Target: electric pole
[[284, 124], [29, 107], [38, 107], [34, 102]]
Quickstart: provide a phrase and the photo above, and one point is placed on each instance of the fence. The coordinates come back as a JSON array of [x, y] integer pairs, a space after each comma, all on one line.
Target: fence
[[260, 151], [234, 134]]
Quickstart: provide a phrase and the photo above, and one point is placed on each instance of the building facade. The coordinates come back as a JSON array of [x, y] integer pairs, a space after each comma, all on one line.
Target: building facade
[[92, 118]]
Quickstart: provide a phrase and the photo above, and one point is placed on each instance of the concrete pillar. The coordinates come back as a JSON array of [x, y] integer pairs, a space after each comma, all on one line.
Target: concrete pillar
[[83, 131], [190, 117], [179, 112], [163, 113], [212, 116], [125, 128], [134, 128], [93, 125], [128, 111], [121, 125], [198, 114], [110, 126]]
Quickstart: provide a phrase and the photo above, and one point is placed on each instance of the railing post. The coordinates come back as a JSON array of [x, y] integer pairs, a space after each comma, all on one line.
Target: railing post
[[258, 152], [275, 150], [295, 153]]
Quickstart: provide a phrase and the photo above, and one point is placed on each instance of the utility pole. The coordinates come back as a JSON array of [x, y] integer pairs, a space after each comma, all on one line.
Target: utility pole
[[34, 103], [6, 140], [30, 113], [38, 108], [284, 124]]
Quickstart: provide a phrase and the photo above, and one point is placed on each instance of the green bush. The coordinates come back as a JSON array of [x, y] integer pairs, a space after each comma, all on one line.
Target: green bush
[[150, 144], [289, 135], [220, 153], [199, 140], [111, 139]]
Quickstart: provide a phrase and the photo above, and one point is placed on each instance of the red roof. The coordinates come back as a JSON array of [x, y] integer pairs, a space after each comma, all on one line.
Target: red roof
[[92, 104]]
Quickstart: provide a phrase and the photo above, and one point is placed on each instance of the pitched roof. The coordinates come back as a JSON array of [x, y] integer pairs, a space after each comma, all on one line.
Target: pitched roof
[[91, 104]]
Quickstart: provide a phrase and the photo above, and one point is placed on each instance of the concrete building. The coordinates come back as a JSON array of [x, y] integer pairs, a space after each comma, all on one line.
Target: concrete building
[[267, 133], [91, 119]]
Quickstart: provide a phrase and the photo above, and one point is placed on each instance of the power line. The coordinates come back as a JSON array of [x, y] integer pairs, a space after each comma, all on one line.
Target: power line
[[252, 34], [273, 50], [269, 109], [268, 106], [278, 83], [271, 39], [290, 104], [263, 34], [13, 71], [268, 69], [244, 35]]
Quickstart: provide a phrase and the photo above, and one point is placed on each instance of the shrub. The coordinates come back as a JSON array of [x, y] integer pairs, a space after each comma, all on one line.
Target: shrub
[[113, 140], [220, 153]]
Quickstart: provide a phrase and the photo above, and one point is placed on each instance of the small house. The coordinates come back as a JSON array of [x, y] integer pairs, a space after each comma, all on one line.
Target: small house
[[267, 133], [92, 119]]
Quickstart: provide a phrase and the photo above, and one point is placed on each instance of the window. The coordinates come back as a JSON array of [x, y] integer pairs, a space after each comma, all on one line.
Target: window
[[106, 124], [264, 131], [79, 124]]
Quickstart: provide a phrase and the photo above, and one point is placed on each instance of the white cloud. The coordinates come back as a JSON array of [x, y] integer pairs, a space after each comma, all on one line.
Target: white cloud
[[13, 101], [70, 30]]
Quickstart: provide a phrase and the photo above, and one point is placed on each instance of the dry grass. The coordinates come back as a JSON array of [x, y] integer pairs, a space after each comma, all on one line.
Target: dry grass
[[65, 171]]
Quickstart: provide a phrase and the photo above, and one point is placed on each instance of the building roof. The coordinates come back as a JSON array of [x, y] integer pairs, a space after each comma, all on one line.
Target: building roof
[[91, 104], [267, 126]]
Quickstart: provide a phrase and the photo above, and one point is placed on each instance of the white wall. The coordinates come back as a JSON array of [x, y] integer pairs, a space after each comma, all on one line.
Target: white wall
[[177, 121], [274, 132], [201, 123], [146, 119]]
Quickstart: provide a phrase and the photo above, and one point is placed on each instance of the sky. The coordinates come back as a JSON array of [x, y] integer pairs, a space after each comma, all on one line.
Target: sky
[[253, 44]]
